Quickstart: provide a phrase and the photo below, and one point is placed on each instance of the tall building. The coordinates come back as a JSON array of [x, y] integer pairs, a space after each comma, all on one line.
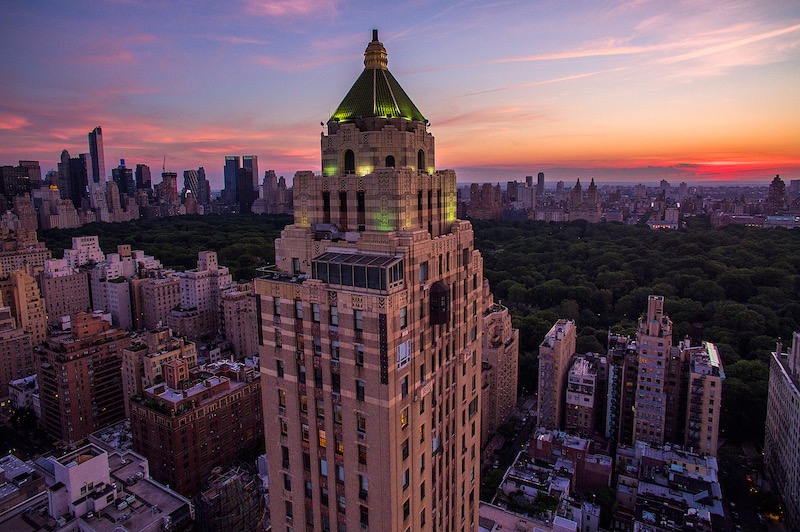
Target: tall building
[[581, 397], [370, 330], [169, 188], [239, 320], [97, 170], [21, 292], [80, 379], [123, 177], [143, 360], [781, 445], [196, 421], [251, 162], [500, 367], [653, 345], [231, 174], [540, 186], [705, 397], [16, 351], [65, 290], [555, 354], [85, 250], [73, 178], [20, 250], [201, 290], [159, 296], [143, 179], [34, 171]]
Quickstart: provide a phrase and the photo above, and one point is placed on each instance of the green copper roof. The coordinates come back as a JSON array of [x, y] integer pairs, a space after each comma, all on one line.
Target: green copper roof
[[376, 92]]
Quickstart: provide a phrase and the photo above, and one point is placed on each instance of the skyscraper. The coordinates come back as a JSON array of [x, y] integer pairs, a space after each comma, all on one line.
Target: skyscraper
[[555, 353], [230, 174], [251, 162], [653, 345], [97, 171], [370, 330], [123, 177], [540, 185], [72, 178], [781, 445], [143, 179]]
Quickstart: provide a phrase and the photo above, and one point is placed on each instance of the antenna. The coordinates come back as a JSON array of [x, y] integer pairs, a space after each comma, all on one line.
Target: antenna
[[164, 164]]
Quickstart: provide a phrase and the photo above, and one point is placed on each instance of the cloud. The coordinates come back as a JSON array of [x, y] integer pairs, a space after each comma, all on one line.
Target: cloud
[[9, 121], [233, 39], [290, 8], [730, 45]]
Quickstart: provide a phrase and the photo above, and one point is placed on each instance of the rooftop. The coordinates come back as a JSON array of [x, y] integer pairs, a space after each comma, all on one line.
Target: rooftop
[[376, 93]]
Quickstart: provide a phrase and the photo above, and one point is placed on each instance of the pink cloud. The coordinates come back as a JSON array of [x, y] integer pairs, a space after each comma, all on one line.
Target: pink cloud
[[9, 121], [289, 8]]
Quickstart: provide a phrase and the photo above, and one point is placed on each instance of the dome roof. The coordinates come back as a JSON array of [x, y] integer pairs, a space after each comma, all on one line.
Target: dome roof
[[376, 93]]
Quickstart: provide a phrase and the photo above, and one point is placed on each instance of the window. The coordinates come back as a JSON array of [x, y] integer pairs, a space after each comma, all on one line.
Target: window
[[362, 455], [406, 509], [315, 312], [289, 510], [298, 310], [359, 390], [279, 368], [403, 354], [361, 422], [323, 467], [364, 515], [406, 479], [287, 482], [339, 445], [337, 414], [423, 272], [276, 306], [334, 316], [285, 457], [404, 386], [304, 430], [295, 265], [306, 461], [349, 162], [359, 320], [404, 447], [336, 383], [360, 356], [281, 397], [284, 427], [404, 317], [340, 474], [335, 350], [323, 440], [304, 404], [404, 418]]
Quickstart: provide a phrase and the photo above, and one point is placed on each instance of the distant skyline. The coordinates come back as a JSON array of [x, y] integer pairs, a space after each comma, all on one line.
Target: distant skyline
[[634, 91]]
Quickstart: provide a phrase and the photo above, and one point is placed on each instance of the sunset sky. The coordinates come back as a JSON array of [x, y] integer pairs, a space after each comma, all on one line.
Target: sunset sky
[[695, 91]]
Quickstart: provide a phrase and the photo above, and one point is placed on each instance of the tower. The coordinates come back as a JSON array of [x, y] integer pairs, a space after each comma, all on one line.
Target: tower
[[230, 174], [98, 164], [251, 162], [653, 345], [555, 354], [370, 330]]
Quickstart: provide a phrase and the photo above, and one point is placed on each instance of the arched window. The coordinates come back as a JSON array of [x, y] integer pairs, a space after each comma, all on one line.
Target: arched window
[[349, 162], [421, 166], [390, 161]]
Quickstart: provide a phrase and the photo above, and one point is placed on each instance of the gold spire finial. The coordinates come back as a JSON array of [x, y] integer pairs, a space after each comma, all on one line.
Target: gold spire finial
[[375, 54]]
